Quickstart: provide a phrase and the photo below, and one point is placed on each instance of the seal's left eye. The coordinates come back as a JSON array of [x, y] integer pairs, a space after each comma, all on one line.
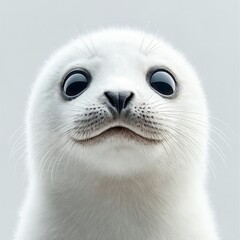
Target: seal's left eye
[[163, 82], [75, 83]]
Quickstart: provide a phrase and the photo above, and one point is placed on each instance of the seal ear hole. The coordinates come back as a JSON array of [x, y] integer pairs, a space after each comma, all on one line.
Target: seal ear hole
[[75, 83]]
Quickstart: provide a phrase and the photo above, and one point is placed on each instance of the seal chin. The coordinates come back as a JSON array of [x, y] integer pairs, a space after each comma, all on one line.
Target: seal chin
[[117, 132]]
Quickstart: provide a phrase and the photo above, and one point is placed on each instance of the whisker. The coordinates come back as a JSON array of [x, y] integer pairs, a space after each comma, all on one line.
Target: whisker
[[211, 142], [92, 54], [142, 42], [57, 160], [81, 51], [186, 137], [198, 122]]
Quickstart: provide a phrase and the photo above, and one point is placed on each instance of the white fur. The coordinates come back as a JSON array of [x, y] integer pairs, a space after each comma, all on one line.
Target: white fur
[[117, 190]]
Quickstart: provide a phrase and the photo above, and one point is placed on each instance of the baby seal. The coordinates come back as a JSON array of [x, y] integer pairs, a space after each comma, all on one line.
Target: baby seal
[[117, 132]]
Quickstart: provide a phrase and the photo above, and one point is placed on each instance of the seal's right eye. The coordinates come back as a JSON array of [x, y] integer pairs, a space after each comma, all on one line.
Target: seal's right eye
[[75, 83]]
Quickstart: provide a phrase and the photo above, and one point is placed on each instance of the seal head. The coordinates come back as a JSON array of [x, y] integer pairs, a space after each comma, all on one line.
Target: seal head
[[118, 102]]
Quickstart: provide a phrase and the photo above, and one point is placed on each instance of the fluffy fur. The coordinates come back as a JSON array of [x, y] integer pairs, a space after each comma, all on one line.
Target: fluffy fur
[[117, 189]]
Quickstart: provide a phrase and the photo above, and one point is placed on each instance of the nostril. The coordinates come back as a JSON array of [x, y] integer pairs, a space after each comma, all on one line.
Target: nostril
[[111, 97], [119, 100], [129, 96]]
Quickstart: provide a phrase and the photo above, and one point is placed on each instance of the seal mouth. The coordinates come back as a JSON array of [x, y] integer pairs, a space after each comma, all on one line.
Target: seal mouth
[[120, 132]]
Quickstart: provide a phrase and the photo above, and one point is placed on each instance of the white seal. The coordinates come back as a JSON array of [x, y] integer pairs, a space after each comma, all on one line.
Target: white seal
[[117, 131]]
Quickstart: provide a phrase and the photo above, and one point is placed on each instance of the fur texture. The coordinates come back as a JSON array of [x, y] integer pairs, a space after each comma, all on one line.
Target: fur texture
[[117, 188]]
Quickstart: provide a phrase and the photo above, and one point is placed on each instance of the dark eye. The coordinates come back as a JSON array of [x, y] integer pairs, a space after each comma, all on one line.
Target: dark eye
[[163, 82], [75, 83]]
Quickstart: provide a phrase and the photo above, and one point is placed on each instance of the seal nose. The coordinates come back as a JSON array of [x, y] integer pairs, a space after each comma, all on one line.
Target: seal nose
[[119, 100]]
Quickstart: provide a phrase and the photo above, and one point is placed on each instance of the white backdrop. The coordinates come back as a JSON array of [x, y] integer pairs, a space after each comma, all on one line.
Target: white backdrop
[[206, 31]]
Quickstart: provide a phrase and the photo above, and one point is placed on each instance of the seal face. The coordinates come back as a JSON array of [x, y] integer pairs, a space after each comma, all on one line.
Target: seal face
[[117, 131], [132, 102]]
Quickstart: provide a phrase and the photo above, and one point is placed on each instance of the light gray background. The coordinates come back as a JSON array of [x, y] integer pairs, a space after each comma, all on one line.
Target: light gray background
[[207, 31]]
